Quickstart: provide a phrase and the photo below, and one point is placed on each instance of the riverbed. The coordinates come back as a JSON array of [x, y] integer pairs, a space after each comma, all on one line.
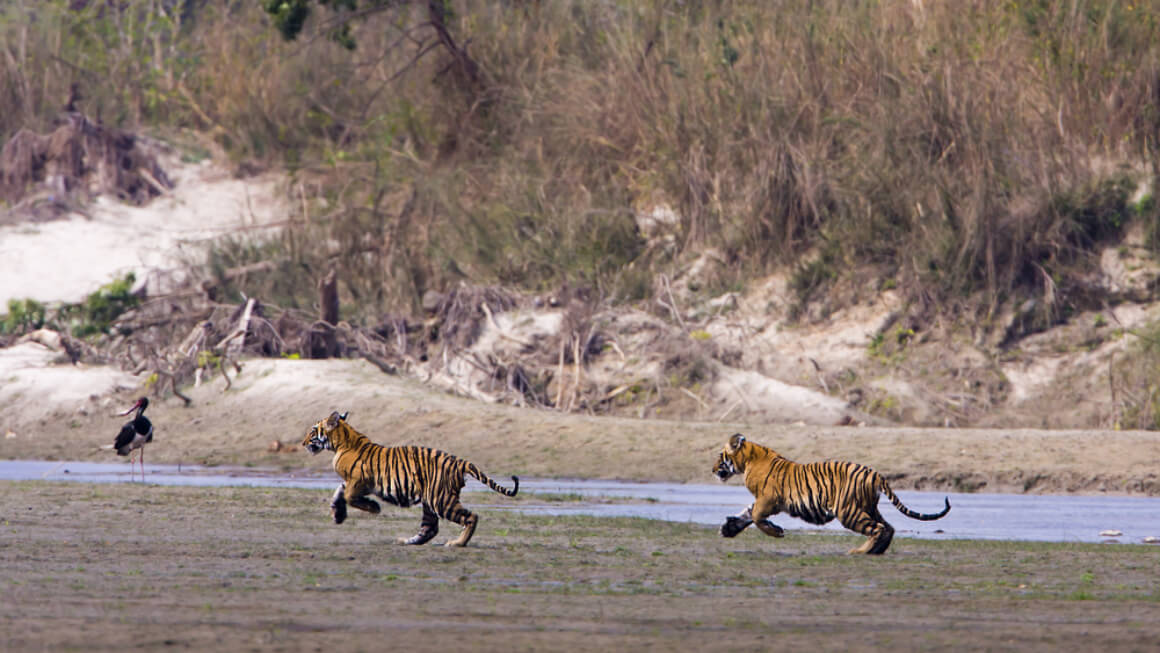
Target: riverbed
[[988, 516]]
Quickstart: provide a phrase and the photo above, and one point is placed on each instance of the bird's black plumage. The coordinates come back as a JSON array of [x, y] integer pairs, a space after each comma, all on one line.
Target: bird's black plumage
[[136, 432]]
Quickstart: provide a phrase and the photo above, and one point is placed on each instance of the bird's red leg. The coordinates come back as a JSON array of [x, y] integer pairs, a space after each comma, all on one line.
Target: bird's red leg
[[142, 464]]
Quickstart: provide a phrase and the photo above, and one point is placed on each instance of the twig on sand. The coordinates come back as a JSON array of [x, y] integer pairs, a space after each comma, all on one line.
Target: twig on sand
[[821, 377], [694, 396], [728, 410], [672, 303]]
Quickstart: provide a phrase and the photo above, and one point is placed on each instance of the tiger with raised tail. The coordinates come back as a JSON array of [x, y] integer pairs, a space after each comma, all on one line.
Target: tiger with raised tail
[[813, 492], [403, 476]]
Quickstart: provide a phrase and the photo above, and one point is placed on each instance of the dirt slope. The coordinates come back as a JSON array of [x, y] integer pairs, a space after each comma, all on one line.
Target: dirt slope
[[277, 400], [783, 384]]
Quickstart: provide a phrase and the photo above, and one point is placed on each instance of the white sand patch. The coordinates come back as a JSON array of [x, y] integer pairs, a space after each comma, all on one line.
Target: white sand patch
[[32, 387], [64, 260], [771, 401]]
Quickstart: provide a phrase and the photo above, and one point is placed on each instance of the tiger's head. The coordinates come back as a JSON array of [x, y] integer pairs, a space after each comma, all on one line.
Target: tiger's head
[[318, 437], [731, 462]]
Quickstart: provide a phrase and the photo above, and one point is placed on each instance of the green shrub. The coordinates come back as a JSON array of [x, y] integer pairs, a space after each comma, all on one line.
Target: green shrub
[[956, 162], [101, 308], [24, 315]]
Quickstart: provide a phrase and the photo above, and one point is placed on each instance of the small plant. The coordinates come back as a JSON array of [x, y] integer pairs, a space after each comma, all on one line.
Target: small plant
[[100, 309], [890, 349], [24, 315], [903, 335], [208, 359]]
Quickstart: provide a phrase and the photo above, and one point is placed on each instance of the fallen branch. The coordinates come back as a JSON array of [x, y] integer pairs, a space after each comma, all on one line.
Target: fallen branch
[[383, 365], [236, 339], [728, 410], [694, 396], [821, 377]]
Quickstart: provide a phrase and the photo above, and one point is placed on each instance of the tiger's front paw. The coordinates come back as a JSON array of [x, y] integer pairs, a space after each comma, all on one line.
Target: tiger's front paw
[[733, 526], [338, 509]]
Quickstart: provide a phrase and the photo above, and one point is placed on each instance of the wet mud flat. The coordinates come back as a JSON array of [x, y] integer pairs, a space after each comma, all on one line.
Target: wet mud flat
[[116, 566]]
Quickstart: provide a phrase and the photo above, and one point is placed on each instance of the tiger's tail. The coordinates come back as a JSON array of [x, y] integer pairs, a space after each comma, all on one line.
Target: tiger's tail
[[885, 489], [486, 480]]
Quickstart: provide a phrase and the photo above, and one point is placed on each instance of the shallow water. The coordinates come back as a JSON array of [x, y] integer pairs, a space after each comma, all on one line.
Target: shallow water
[[975, 516]]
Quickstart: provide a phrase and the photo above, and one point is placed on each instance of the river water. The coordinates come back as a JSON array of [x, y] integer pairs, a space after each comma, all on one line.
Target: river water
[[976, 516]]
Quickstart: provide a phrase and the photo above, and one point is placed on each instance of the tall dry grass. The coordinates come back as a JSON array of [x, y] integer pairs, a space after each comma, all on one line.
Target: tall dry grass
[[971, 153]]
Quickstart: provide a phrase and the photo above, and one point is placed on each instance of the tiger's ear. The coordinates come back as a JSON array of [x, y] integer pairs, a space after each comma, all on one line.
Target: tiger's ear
[[735, 441], [343, 416], [332, 421]]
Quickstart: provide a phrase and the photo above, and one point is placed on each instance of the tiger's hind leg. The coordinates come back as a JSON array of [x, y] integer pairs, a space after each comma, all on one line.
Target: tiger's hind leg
[[871, 524], [428, 528], [460, 515], [882, 539]]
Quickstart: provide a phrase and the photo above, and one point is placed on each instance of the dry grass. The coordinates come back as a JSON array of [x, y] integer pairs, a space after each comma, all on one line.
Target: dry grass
[[973, 154]]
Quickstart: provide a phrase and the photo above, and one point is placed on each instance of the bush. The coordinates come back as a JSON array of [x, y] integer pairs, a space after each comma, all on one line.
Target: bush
[[24, 315], [101, 308], [955, 149]]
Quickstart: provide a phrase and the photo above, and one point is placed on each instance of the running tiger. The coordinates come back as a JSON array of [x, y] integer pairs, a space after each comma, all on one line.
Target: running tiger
[[402, 476], [814, 492]]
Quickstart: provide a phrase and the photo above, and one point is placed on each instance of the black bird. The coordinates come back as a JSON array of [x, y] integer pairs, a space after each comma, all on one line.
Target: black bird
[[134, 434]]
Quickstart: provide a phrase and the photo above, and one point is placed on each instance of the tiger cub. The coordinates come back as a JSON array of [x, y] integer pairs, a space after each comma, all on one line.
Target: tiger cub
[[813, 492], [403, 476]]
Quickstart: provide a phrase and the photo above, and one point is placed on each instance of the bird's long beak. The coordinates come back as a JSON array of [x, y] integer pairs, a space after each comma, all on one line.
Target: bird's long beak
[[133, 408]]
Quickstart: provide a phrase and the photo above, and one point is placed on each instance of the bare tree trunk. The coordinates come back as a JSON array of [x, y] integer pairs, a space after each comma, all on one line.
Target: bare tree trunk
[[328, 297], [324, 341]]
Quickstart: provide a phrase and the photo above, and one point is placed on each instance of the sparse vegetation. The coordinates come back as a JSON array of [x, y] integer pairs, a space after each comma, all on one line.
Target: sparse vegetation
[[23, 315], [248, 561], [98, 311], [94, 315], [1136, 393], [974, 163], [974, 168]]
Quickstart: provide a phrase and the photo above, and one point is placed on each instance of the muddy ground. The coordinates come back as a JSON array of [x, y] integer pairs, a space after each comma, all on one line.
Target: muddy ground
[[118, 567]]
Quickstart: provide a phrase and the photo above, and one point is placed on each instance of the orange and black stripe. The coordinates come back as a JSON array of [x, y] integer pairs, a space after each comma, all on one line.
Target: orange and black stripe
[[816, 493], [402, 476]]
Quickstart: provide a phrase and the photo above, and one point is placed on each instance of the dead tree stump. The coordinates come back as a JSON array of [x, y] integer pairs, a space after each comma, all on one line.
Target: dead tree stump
[[323, 340]]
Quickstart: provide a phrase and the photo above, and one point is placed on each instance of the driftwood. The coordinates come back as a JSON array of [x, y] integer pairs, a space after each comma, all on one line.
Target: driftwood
[[183, 338], [80, 157], [235, 341]]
